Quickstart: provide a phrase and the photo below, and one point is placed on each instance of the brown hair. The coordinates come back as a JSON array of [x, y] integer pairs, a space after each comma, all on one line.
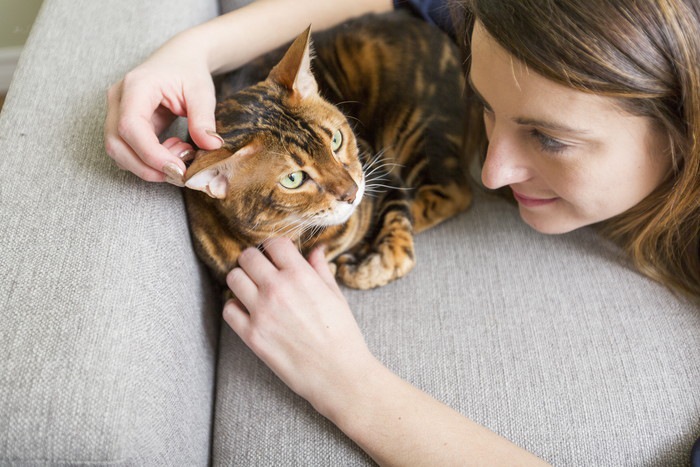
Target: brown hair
[[647, 56]]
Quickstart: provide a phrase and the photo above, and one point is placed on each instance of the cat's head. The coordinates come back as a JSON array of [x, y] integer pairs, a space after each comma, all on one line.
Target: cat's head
[[289, 157]]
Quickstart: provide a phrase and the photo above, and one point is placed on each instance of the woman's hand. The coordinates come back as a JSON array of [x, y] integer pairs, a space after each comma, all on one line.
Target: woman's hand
[[174, 82], [292, 314]]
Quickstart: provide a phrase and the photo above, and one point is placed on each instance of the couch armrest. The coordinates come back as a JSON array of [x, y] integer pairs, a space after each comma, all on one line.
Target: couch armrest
[[107, 344]]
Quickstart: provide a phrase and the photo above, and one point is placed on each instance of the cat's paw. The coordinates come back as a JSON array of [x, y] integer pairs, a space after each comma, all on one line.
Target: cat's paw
[[377, 268]]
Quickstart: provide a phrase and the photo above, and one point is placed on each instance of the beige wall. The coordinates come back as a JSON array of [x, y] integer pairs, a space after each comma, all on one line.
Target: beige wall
[[16, 18]]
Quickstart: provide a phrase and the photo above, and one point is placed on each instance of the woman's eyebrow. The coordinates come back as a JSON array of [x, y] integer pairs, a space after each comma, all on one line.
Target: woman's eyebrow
[[551, 126], [525, 121]]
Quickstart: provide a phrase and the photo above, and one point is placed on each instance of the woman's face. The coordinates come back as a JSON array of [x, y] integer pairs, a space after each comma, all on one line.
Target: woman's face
[[570, 158]]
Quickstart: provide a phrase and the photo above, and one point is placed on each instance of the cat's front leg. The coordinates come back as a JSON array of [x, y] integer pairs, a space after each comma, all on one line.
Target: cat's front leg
[[213, 241], [389, 256]]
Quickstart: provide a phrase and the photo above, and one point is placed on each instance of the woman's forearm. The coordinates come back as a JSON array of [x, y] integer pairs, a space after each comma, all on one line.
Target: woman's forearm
[[235, 38], [398, 424]]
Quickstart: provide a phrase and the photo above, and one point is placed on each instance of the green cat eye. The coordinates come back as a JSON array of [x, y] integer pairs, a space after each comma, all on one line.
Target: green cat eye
[[293, 180], [337, 141]]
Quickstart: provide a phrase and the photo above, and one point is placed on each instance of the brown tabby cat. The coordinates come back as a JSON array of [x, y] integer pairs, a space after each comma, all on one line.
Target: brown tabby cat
[[361, 176]]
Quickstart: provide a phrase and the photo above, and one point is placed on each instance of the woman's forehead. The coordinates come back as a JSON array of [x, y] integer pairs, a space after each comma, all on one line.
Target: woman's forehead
[[513, 88]]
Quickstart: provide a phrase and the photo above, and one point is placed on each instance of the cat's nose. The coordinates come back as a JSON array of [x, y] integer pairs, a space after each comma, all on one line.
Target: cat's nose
[[349, 196]]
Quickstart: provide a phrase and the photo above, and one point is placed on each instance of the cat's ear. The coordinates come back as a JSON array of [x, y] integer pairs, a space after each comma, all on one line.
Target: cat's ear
[[214, 180], [294, 70]]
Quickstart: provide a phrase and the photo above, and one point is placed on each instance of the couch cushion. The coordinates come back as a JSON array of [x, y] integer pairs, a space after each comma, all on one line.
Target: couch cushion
[[108, 339], [551, 341]]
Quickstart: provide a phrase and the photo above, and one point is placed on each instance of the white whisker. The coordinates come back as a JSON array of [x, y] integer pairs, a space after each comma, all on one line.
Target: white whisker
[[393, 187]]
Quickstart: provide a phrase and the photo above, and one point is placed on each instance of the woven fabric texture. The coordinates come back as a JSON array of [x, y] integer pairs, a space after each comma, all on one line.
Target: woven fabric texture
[[551, 341], [108, 339], [111, 349]]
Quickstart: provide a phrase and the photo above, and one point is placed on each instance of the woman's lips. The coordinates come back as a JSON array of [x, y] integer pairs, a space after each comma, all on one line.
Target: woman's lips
[[530, 202]]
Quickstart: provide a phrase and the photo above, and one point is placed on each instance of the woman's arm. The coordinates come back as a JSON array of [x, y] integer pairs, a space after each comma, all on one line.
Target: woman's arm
[[292, 314], [234, 39], [398, 424], [176, 79]]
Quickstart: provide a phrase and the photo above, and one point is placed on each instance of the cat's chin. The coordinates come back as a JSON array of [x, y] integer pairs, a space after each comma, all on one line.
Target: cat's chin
[[339, 216], [344, 211]]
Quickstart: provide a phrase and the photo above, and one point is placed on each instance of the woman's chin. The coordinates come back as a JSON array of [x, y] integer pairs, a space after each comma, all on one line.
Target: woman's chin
[[550, 225]]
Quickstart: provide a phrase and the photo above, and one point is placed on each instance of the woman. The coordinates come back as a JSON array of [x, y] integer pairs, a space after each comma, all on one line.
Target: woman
[[592, 116]]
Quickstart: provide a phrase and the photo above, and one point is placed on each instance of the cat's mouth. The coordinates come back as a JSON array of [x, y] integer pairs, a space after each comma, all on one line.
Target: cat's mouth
[[342, 212]]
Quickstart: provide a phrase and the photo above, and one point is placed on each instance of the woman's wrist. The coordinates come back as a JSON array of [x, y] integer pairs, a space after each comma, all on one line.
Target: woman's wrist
[[347, 395], [186, 48]]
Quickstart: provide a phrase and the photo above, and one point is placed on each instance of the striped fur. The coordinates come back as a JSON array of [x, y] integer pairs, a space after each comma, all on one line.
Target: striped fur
[[395, 86]]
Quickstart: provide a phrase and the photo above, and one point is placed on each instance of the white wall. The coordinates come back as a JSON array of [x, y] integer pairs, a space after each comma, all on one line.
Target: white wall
[[16, 19]]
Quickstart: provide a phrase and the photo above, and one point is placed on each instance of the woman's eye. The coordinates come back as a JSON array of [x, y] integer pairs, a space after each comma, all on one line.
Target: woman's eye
[[337, 141], [293, 180], [547, 143]]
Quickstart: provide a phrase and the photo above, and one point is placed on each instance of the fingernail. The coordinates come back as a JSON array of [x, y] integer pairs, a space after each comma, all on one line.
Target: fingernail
[[174, 174], [177, 183], [215, 135], [186, 156]]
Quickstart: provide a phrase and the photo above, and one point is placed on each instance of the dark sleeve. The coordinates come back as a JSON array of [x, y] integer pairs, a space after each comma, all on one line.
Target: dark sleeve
[[436, 12]]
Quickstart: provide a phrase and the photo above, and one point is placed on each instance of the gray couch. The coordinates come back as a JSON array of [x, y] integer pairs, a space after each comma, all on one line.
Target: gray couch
[[112, 350]]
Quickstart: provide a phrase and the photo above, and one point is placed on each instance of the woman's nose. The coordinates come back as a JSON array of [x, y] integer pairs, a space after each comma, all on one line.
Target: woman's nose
[[506, 162]]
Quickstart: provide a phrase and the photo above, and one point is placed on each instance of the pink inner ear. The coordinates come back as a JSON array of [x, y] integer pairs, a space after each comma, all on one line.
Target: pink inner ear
[[305, 83], [214, 180], [294, 70], [210, 181], [218, 186]]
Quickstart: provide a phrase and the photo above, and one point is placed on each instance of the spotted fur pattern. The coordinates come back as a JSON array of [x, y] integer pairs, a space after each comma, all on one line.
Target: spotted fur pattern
[[391, 86]]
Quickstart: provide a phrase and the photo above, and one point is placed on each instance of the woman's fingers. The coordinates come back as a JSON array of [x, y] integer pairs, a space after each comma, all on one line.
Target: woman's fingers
[[144, 104], [120, 150], [162, 119], [123, 155], [135, 127], [242, 287], [257, 266], [283, 253], [237, 317], [317, 260], [201, 104], [179, 148]]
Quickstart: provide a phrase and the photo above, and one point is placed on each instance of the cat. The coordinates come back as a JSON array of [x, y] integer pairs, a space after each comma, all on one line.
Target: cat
[[359, 154]]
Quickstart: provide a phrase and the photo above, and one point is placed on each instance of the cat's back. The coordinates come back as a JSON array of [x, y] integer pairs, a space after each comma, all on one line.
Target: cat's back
[[388, 53], [386, 44], [395, 75]]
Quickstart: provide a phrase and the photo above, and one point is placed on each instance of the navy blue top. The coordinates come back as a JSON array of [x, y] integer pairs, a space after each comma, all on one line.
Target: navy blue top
[[433, 11]]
